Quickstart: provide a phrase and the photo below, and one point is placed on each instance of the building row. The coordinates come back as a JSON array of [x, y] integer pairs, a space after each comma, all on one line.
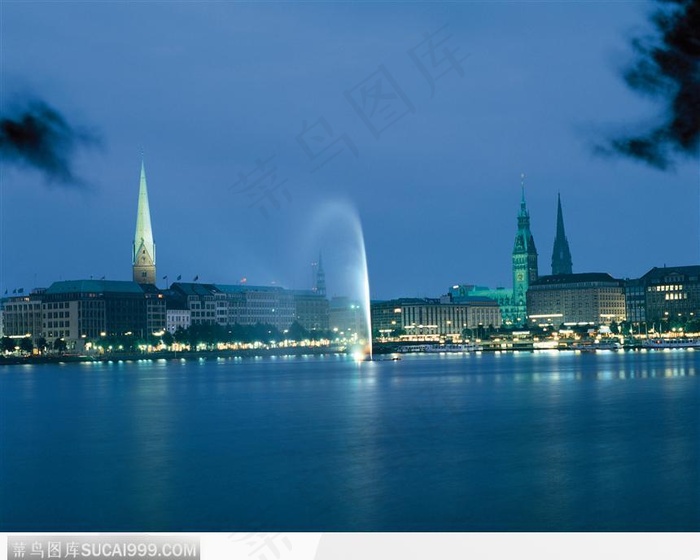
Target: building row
[[432, 319], [563, 297], [587, 297], [88, 309], [662, 294]]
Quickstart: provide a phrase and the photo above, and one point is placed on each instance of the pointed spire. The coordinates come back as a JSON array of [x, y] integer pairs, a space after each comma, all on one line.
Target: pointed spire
[[525, 269], [320, 287], [523, 205], [560, 217], [144, 248], [561, 254], [144, 232]]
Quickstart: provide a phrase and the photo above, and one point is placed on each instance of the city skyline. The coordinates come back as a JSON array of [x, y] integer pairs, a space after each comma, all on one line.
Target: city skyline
[[441, 181]]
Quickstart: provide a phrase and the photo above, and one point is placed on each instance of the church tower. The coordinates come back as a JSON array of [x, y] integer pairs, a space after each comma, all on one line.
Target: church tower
[[561, 255], [320, 278], [524, 260], [144, 248]]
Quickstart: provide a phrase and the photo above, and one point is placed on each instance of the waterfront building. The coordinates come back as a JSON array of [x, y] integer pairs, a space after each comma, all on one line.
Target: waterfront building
[[464, 293], [155, 309], [386, 316], [561, 254], [433, 318], [144, 248], [672, 293], [177, 311], [230, 304], [312, 309], [177, 317], [249, 305], [198, 299], [346, 317], [88, 309], [524, 259], [635, 301], [78, 310], [22, 315], [592, 297]]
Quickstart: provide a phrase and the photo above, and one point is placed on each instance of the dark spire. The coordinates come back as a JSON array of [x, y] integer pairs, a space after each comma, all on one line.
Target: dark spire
[[318, 277], [561, 255]]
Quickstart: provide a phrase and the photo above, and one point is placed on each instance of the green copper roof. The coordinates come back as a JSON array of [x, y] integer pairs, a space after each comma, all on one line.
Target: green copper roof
[[144, 233], [237, 288], [94, 286]]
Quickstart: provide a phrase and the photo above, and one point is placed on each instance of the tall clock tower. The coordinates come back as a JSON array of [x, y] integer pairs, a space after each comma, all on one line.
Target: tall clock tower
[[524, 260]]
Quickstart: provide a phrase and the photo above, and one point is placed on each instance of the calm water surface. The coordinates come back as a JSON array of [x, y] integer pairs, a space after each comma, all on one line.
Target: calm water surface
[[527, 441]]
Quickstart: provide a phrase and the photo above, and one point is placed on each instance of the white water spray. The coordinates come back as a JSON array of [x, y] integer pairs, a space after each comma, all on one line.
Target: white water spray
[[337, 216]]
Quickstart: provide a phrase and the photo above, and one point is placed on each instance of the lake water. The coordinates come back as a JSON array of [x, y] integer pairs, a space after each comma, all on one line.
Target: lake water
[[525, 441]]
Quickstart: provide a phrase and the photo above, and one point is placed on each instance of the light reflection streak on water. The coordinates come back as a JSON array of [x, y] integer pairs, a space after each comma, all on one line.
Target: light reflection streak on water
[[377, 402]]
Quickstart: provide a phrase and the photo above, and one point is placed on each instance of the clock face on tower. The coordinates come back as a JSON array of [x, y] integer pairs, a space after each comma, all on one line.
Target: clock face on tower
[[520, 276]]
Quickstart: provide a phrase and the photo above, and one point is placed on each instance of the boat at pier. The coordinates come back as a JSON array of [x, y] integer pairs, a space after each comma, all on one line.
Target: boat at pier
[[440, 348], [662, 343], [452, 348]]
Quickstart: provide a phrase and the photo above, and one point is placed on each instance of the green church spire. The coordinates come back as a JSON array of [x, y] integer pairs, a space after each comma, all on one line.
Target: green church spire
[[144, 248], [524, 259]]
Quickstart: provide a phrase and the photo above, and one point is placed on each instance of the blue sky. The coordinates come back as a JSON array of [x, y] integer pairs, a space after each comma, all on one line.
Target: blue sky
[[209, 89]]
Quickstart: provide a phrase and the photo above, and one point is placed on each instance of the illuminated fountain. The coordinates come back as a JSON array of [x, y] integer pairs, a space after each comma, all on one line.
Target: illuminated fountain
[[341, 219], [363, 280]]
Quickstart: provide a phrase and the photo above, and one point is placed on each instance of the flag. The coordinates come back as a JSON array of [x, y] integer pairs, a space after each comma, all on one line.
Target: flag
[[14, 291], [20, 291], [179, 277], [165, 278], [196, 278]]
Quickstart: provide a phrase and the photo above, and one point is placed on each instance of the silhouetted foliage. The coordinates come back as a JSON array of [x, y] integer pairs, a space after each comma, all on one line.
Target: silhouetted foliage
[[180, 335], [38, 136], [168, 339], [26, 345], [60, 345], [8, 345], [42, 344], [297, 332], [667, 68]]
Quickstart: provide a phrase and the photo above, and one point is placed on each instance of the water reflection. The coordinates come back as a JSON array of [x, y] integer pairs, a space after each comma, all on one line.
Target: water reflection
[[537, 441]]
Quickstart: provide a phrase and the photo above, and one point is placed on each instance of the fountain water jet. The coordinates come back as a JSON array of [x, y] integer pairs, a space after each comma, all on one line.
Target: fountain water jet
[[334, 215]]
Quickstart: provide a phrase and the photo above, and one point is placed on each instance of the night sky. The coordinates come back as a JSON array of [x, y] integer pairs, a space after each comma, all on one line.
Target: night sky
[[265, 126]]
